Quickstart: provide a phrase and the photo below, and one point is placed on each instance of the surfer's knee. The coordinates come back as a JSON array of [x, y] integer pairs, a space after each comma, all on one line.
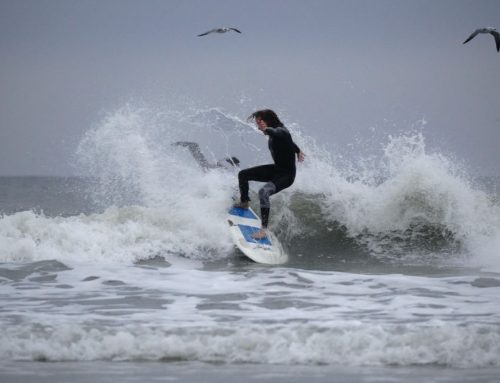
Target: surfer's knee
[[242, 175], [265, 192]]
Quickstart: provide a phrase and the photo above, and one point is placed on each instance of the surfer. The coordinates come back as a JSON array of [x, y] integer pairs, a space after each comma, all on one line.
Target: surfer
[[278, 176], [194, 149]]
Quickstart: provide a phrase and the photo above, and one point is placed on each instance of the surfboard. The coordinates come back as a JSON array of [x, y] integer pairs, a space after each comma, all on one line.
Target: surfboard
[[242, 224]]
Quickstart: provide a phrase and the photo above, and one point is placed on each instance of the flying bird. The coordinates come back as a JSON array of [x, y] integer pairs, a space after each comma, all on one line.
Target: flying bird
[[491, 31], [219, 30]]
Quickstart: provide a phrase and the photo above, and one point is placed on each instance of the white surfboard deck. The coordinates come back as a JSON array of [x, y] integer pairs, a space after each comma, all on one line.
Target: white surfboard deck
[[242, 224]]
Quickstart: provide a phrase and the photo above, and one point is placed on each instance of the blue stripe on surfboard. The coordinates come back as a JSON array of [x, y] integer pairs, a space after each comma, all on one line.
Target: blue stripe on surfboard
[[247, 232], [245, 213]]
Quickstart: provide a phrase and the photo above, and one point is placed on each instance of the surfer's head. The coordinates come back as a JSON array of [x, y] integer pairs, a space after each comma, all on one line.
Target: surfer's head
[[268, 116]]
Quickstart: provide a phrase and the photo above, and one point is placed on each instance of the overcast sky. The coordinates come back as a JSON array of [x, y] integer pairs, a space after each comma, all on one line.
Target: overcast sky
[[342, 70]]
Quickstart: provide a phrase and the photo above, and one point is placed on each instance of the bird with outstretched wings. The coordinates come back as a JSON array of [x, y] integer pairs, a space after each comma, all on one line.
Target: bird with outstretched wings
[[491, 31], [219, 30]]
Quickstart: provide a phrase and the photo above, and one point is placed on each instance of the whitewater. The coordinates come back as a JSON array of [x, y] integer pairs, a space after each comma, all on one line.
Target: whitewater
[[394, 263]]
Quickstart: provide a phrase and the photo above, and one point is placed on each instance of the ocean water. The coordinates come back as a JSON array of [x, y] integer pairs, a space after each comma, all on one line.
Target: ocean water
[[128, 272]]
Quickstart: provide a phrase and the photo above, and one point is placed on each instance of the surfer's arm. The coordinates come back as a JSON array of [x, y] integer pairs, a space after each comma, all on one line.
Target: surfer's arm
[[300, 155], [283, 132]]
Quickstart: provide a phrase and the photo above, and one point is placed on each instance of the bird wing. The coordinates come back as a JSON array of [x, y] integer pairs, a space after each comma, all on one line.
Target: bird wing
[[496, 35], [472, 36], [234, 29], [206, 33]]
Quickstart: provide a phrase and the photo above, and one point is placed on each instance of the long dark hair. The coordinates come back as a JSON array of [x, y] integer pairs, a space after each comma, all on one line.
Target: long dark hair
[[268, 116]]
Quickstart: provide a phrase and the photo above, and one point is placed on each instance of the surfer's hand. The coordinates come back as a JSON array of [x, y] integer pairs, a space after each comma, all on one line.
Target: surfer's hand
[[301, 156]]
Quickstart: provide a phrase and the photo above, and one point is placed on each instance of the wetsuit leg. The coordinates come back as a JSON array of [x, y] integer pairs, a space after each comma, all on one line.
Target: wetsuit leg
[[280, 181], [194, 148], [262, 173], [283, 180], [265, 205]]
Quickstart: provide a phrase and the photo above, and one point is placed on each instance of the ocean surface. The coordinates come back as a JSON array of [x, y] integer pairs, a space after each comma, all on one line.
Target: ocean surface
[[127, 272]]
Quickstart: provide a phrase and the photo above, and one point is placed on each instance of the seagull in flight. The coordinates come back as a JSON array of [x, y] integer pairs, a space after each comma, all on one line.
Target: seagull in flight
[[219, 30], [491, 31]]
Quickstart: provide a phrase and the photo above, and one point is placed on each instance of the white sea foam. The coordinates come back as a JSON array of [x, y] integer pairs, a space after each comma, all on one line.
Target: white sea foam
[[156, 200], [404, 193], [336, 344], [256, 315], [126, 234]]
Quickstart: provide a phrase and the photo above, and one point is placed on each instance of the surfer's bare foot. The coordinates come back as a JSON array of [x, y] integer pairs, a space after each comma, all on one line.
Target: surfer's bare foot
[[259, 234], [242, 205]]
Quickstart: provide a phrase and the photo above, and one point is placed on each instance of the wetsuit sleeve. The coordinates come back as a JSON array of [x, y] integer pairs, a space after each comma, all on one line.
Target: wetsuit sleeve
[[281, 132]]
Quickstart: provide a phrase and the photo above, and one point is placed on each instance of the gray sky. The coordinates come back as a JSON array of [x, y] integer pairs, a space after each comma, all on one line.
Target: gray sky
[[340, 69]]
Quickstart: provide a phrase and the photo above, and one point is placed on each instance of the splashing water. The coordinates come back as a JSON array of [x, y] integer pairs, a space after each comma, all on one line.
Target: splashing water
[[408, 206]]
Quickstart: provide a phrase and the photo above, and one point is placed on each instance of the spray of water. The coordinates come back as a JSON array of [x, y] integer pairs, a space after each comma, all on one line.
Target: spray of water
[[407, 204]]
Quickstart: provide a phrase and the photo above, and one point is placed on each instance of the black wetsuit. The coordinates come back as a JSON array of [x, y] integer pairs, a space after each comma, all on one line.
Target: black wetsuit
[[278, 176]]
